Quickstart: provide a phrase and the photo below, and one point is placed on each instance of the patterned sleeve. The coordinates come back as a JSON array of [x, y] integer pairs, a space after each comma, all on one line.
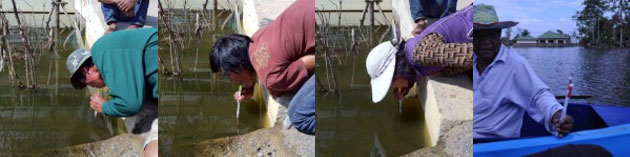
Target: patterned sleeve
[[431, 51]]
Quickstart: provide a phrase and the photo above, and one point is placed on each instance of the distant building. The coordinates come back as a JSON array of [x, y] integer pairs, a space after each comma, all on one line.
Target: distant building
[[525, 41], [553, 38], [547, 39]]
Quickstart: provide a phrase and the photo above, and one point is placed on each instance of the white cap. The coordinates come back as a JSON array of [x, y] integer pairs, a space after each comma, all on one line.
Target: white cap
[[380, 64]]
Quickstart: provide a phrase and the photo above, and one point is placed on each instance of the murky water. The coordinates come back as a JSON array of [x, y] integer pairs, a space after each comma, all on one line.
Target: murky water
[[351, 121], [603, 74], [201, 106], [54, 116]]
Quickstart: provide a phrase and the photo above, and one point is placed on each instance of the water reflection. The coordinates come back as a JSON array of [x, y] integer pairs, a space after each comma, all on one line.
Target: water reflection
[[603, 74], [54, 116]]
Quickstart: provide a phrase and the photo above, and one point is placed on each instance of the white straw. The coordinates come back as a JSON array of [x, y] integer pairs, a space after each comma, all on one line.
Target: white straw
[[566, 99], [238, 104], [400, 101]]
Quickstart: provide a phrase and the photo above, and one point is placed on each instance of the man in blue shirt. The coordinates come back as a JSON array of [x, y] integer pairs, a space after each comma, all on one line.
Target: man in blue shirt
[[505, 86]]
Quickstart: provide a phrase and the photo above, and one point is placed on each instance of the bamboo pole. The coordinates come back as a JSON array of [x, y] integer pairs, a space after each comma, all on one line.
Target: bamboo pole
[[198, 35], [173, 44], [31, 76], [52, 42]]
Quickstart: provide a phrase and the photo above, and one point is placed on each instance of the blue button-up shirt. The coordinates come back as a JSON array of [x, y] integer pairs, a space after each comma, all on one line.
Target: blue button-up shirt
[[505, 90]]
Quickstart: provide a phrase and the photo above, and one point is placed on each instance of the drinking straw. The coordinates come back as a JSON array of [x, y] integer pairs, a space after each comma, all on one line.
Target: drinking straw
[[400, 101], [566, 99], [238, 103]]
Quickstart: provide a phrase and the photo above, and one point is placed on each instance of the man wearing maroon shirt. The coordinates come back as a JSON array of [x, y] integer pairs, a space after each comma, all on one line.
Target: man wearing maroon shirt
[[281, 56]]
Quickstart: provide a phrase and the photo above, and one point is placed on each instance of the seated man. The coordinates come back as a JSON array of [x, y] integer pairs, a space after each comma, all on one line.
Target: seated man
[[444, 48], [505, 86], [127, 63], [281, 56], [134, 11]]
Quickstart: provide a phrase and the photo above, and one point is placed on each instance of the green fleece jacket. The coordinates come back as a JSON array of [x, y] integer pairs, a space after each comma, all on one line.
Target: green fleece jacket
[[128, 63]]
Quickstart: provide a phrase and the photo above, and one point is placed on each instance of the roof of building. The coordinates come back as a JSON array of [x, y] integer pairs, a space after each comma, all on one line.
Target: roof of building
[[525, 38], [553, 35]]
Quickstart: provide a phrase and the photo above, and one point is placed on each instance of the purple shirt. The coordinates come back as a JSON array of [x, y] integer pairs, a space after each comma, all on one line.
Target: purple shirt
[[456, 28]]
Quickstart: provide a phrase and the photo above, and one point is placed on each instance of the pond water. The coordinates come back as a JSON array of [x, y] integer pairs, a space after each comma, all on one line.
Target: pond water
[[602, 74], [54, 116], [351, 121], [200, 105]]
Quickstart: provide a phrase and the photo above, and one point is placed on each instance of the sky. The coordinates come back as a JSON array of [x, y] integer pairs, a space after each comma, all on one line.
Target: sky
[[537, 16]]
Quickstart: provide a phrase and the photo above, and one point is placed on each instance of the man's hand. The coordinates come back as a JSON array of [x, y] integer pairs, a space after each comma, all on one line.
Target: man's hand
[[420, 26], [309, 62], [127, 7], [562, 126], [244, 94], [96, 102]]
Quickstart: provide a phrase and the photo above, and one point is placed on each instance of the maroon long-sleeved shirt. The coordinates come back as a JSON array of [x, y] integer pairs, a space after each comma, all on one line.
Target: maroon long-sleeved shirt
[[276, 49]]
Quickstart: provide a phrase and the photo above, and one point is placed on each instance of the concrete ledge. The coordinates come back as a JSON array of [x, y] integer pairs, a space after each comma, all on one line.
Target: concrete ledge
[[446, 101], [274, 141], [455, 142], [121, 145], [258, 13]]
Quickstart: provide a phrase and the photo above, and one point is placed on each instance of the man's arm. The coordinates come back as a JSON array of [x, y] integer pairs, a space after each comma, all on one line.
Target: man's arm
[[431, 51], [537, 100], [287, 78]]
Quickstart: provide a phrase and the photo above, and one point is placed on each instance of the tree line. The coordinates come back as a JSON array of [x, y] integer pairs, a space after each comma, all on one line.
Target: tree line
[[603, 24]]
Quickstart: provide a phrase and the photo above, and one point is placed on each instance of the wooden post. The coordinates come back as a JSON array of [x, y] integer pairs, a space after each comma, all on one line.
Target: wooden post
[[215, 14]]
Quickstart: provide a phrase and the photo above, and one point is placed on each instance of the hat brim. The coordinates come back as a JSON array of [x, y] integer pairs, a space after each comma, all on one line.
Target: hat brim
[[496, 25], [380, 85]]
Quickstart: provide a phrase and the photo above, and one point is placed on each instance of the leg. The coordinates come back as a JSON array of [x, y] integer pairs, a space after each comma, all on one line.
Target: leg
[[417, 10], [450, 7], [151, 141], [110, 13], [302, 108], [285, 100], [140, 14]]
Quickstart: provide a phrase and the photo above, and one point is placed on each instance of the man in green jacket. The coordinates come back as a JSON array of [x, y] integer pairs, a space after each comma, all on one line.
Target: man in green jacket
[[127, 63]]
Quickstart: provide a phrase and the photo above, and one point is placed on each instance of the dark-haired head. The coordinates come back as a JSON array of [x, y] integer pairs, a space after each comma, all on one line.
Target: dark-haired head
[[404, 75], [89, 75], [230, 54]]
